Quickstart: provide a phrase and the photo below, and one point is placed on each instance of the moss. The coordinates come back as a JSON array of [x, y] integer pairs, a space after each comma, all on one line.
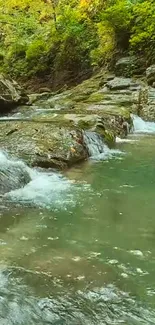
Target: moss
[[109, 136], [85, 125], [95, 97]]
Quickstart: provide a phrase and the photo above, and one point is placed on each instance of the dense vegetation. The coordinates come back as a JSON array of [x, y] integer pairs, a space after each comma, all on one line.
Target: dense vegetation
[[72, 36]]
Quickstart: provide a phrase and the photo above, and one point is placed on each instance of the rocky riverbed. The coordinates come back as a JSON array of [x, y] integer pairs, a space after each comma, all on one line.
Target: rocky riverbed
[[48, 129]]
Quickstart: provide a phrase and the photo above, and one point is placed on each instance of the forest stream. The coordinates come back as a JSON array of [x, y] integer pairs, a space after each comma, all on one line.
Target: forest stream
[[78, 247]]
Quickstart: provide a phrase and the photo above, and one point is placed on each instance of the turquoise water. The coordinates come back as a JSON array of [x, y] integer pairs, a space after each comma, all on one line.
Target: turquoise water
[[87, 255]]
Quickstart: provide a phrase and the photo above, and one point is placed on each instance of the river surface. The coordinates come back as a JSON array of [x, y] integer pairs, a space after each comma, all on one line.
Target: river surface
[[79, 248]]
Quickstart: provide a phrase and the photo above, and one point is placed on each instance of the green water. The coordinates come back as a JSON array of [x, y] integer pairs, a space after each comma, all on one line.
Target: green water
[[92, 260]]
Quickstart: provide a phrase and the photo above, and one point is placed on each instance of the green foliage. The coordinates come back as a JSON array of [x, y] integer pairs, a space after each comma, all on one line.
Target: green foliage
[[143, 31], [106, 44], [119, 17], [51, 36]]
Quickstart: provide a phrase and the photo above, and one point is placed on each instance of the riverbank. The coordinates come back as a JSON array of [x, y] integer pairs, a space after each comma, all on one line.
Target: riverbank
[[53, 130]]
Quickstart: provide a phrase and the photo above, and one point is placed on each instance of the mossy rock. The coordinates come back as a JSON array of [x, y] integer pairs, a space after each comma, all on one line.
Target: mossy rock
[[129, 66], [95, 97], [43, 144]]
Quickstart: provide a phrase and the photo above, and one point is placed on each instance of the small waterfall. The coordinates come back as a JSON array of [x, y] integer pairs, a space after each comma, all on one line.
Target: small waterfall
[[13, 174], [141, 126], [35, 187], [96, 147], [94, 143]]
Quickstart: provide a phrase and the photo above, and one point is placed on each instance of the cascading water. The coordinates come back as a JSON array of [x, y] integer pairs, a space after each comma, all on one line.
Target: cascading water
[[96, 147], [94, 143], [141, 126], [13, 174], [46, 189], [19, 183]]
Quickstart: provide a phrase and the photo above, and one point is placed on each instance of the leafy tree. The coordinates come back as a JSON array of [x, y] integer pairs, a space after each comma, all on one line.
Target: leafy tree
[[53, 36]]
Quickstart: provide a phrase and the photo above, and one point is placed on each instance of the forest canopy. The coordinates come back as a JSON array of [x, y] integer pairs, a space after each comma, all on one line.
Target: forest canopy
[[47, 36]]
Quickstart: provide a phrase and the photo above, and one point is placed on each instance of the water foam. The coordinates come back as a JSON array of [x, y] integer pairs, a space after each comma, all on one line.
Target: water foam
[[119, 140], [141, 126], [46, 189]]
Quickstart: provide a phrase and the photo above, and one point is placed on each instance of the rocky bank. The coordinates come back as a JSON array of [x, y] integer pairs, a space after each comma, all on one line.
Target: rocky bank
[[49, 131]]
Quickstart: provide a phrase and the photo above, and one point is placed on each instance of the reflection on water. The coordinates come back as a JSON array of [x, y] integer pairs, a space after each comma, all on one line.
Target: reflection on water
[[91, 262]]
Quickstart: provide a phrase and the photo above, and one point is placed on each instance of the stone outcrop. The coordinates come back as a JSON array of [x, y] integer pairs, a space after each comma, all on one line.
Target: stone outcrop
[[11, 94], [150, 74], [119, 83], [50, 133], [129, 66], [43, 144]]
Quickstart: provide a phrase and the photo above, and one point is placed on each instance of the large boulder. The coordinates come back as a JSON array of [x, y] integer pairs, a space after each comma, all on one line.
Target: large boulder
[[57, 140], [119, 83], [44, 144], [150, 74], [11, 94]]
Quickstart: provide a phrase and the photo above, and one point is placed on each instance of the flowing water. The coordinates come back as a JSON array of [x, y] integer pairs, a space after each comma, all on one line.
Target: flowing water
[[79, 248]]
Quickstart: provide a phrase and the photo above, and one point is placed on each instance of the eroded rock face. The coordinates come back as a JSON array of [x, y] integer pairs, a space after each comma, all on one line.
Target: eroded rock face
[[129, 66], [51, 131], [147, 103], [11, 94], [150, 74], [119, 83]]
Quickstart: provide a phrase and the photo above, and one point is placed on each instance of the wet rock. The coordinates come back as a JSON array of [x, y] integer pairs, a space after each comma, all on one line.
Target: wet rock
[[44, 144], [150, 74], [57, 140], [11, 94], [35, 97], [94, 123], [121, 83], [13, 174], [129, 66], [51, 133]]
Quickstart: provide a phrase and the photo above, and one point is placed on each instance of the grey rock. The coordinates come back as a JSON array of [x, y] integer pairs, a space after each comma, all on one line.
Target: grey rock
[[119, 83], [11, 94], [150, 74], [129, 66]]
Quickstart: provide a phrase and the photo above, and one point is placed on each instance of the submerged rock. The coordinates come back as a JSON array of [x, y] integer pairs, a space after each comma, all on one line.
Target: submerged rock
[[11, 94]]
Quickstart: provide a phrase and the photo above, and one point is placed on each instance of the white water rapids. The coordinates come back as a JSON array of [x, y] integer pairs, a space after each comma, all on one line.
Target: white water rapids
[[143, 127], [43, 188], [49, 188]]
